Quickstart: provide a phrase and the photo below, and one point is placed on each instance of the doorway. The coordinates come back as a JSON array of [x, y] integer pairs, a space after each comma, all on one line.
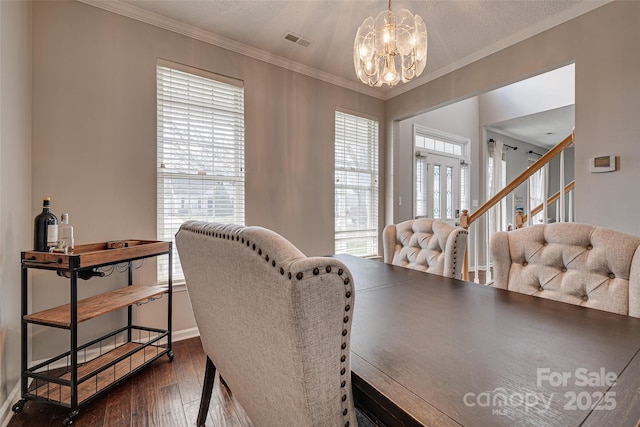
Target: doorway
[[440, 185]]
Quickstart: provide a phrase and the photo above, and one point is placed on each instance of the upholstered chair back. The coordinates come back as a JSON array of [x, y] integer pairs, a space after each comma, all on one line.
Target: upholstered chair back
[[571, 262], [427, 245], [276, 324]]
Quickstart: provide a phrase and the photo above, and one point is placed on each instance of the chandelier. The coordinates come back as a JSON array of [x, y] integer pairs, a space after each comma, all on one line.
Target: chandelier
[[391, 48]]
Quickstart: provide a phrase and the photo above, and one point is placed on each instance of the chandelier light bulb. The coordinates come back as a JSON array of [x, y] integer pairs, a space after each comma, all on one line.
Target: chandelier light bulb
[[390, 74], [386, 35], [390, 48]]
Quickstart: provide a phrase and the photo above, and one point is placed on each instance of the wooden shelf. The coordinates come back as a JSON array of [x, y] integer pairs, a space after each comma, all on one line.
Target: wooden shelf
[[62, 393], [95, 306]]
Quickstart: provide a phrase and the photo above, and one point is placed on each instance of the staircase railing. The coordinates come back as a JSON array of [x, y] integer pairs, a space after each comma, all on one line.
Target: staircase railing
[[468, 220], [551, 200]]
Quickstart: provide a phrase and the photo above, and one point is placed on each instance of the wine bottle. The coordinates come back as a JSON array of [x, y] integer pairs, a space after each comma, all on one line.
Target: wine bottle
[[83, 274], [88, 274], [65, 234], [45, 228]]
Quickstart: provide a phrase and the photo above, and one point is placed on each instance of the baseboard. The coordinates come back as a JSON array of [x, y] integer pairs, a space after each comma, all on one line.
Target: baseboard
[[185, 334], [6, 411]]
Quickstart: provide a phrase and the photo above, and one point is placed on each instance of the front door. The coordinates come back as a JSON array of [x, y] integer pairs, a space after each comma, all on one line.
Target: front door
[[439, 195]]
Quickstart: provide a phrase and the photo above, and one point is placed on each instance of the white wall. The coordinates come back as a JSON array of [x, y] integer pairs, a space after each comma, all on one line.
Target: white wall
[[15, 182], [607, 95], [543, 92], [94, 141]]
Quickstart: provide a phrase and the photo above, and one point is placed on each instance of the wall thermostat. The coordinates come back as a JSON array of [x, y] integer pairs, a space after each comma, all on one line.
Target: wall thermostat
[[602, 164]]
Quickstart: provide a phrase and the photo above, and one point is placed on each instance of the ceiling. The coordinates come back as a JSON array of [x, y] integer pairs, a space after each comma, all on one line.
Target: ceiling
[[459, 31], [544, 129]]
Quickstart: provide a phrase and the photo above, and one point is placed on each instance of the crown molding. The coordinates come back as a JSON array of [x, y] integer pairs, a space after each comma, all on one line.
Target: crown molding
[[527, 32], [175, 26]]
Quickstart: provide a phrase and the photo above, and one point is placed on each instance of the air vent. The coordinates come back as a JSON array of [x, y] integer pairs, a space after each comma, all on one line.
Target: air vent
[[297, 39]]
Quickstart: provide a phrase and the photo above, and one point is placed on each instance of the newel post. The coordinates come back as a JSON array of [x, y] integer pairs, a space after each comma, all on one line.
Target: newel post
[[519, 219]]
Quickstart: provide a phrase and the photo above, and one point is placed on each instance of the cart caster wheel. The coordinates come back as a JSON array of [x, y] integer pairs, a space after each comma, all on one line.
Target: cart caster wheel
[[70, 420], [170, 355], [19, 405]]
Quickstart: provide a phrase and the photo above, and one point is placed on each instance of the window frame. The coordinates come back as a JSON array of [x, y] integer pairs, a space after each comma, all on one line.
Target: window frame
[[370, 233], [420, 154], [200, 140]]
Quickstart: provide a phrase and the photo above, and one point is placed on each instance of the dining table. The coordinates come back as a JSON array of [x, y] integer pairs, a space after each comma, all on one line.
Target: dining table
[[428, 350]]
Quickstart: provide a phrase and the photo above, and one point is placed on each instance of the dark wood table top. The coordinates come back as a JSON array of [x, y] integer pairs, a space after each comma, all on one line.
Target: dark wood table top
[[428, 350]]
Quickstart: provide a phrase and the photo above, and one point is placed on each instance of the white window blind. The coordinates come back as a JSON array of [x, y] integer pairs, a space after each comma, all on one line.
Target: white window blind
[[356, 185], [200, 153]]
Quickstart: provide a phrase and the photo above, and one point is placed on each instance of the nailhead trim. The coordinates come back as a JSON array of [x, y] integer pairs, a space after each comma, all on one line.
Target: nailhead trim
[[299, 276], [455, 252]]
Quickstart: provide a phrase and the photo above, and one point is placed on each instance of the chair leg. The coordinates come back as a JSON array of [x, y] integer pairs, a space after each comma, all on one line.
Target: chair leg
[[207, 389]]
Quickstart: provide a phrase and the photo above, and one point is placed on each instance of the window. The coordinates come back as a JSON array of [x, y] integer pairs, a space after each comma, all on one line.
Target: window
[[356, 185], [200, 152], [441, 174]]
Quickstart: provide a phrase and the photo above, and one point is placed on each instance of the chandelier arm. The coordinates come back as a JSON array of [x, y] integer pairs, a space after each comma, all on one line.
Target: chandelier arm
[[364, 69], [413, 59]]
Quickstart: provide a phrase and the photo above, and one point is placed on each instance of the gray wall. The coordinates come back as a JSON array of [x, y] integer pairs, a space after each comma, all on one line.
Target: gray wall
[[94, 142], [602, 44], [15, 180]]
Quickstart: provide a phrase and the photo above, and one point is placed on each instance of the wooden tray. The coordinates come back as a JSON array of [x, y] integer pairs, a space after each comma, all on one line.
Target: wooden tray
[[94, 254]]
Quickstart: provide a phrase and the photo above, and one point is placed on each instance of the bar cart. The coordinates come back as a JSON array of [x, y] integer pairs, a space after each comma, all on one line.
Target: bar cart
[[76, 377]]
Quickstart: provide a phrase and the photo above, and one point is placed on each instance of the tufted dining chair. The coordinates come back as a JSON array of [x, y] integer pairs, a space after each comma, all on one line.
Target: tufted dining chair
[[571, 262], [274, 323], [427, 245]]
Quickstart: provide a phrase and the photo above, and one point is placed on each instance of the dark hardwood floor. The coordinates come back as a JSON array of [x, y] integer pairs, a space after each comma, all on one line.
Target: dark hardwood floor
[[164, 394]]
